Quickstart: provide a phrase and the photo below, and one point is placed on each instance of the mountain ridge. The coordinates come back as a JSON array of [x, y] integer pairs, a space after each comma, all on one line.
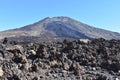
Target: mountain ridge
[[60, 27]]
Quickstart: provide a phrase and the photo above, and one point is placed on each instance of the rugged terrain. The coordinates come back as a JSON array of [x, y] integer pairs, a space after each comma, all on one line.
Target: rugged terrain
[[59, 27], [98, 59]]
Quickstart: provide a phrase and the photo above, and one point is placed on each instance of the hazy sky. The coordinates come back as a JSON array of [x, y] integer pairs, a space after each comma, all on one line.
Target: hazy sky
[[99, 13]]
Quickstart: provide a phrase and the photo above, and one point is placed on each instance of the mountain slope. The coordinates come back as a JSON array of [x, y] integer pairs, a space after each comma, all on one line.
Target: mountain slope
[[60, 27]]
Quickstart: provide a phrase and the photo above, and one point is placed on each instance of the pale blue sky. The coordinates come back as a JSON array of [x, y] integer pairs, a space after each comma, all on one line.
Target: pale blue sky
[[99, 13]]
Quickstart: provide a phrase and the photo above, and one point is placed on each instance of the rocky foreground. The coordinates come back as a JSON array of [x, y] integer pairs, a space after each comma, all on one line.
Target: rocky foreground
[[61, 60]]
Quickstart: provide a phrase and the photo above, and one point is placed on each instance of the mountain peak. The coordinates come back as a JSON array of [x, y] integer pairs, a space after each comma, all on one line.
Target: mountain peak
[[59, 18], [60, 27]]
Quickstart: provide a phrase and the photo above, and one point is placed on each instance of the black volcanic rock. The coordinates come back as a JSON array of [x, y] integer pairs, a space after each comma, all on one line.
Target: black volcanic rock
[[65, 60], [59, 27]]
